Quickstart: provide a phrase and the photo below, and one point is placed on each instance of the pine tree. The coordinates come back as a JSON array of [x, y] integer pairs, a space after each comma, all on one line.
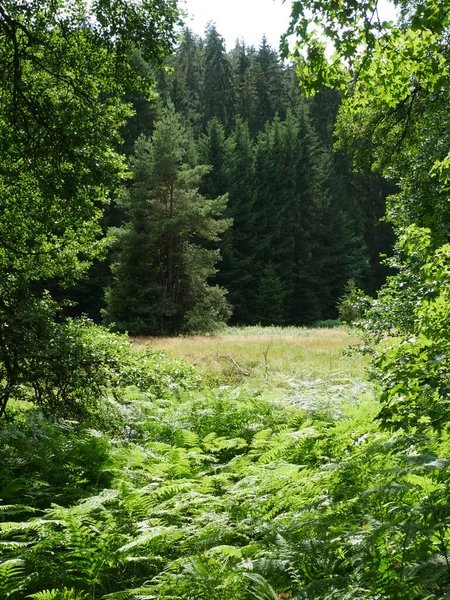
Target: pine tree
[[161, 268]]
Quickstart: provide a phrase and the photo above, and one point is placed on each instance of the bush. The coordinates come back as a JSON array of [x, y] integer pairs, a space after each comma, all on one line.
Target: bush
[[353, 304], [327, 324], [67, 367]]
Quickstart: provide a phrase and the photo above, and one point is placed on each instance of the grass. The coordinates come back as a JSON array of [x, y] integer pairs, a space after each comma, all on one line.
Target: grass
[[279, 357]]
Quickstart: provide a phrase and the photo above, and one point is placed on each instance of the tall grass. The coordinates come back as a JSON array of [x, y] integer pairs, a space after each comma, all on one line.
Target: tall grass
[[271, 356]]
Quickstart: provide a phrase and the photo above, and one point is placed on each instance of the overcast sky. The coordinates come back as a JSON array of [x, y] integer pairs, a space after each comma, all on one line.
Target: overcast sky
[[247, 19], [236, 19]]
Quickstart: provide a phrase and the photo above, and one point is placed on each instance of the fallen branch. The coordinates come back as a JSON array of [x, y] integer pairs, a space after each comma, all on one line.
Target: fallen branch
[[240, 369]]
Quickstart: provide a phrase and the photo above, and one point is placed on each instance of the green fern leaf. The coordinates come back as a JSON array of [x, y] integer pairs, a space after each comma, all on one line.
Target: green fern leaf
[[225, 551], [166, 533], [11, 577]]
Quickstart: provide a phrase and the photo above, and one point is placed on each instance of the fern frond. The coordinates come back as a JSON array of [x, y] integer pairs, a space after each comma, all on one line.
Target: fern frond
[[260, 587], [141, 593], [225, 551], [11, 577], [64, 594], [172, 489], [166, 533], [16, 509], [187, 439], [12, 545], [33, 525]]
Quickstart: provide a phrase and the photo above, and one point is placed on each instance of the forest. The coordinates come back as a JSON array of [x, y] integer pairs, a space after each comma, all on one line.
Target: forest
[[224, 304], [290, 222]]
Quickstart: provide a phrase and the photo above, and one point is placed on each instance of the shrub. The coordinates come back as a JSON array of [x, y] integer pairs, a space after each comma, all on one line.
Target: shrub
[[353, 304], [67, 367]]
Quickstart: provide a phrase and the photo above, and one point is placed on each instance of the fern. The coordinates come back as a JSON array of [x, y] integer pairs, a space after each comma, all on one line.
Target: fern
[[170, 534], [64, 594], [12, 578], [260, 588]]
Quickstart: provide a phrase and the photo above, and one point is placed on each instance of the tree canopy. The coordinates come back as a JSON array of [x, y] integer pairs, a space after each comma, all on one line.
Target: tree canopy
[[161, 270], [65, 66], [382, 60], [395, 116]]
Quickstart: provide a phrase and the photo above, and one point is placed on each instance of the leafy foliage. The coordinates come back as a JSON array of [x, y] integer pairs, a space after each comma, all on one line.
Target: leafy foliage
[[66, 66], [395, 78], [64, 76], [353, 304], [70, 365]]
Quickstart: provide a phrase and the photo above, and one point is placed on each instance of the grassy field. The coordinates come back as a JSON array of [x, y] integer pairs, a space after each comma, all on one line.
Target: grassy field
[[278, 356]]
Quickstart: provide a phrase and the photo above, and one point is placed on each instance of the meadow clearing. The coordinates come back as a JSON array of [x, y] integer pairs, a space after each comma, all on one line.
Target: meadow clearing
[[277, 356]]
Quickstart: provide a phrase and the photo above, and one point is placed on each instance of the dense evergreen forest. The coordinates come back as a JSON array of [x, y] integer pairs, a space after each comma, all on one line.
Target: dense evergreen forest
[[297, 223], [166, 187]]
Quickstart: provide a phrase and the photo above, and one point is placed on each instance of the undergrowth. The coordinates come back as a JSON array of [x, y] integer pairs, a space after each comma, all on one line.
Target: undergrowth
[[182, 491]]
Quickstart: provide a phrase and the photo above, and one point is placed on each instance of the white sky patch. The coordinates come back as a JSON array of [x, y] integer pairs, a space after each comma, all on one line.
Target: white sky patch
[[236, 19], [250, 19]]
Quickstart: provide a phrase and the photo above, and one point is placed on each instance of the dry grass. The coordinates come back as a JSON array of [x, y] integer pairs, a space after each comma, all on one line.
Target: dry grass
[[274, 355]]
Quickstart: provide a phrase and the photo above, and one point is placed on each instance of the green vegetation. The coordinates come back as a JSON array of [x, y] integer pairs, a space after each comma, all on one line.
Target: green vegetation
[[160, 274], [66, 66], [266, 465], [399, 100], [183, 490], [300, 223]]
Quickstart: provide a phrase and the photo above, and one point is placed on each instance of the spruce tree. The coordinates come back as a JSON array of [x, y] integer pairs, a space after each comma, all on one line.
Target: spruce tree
[[212, 152], [361, 196], [238, 247], [185, 84], [218, 88], [161, 268], [270, 83], [270, 298]]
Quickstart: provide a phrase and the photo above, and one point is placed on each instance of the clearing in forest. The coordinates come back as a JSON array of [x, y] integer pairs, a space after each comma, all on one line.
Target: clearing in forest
[[279, 356]]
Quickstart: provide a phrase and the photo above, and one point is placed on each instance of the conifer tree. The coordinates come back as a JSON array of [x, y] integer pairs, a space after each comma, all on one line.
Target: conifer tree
[[186, 82], [294, 201], [270, 298], [283, 207], [212, 152], [246, 95], [269, 81], [238, 247], [218, 94], [161, 267], [360, 195]]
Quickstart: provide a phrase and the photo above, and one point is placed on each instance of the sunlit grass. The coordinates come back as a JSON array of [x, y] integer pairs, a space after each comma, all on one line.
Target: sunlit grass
[[273, 355]]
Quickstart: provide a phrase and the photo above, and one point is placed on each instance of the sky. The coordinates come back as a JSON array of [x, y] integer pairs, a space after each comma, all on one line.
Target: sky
[[247, 19], [236, 19]]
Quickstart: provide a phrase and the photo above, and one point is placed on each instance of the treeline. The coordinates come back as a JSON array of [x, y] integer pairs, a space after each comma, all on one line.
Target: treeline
[[297, 222]]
